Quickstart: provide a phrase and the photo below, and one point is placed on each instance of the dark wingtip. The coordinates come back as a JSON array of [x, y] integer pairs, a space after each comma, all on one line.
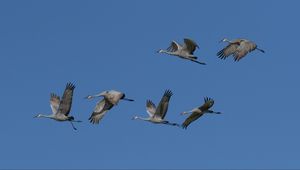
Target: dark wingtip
[[168, 92], [70, 86]]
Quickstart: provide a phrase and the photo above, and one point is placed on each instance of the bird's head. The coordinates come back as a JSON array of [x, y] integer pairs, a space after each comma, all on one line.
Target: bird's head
[[183, 113], [160, 51], [38, 115], [134, 118], [224, 40], [89, 97]]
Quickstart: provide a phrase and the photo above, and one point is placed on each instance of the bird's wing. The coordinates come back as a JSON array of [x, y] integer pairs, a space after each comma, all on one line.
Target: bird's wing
[[162, 108], [228, 50], [174, 46], [66, 101], [190, 45], [151, 108], [54, 102], [194, 116], [244, 48], [99, 111], [208, 103]]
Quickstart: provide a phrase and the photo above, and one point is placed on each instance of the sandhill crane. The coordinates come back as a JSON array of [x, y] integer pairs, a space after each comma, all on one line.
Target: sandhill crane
[[185, 52], [61, 108], [157, 115], [199, 111], [110, 99], [238, 48]]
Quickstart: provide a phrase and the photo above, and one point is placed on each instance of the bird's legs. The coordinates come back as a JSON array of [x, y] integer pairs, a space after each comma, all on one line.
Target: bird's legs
[[210, 111], [77, 121], [172, 124], [198, 62], [131, 100], [260, 50], [73, 125]]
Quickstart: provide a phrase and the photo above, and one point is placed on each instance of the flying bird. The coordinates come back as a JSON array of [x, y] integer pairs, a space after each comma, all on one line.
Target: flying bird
[[157, 114], [185, 51], [198, 112], [110, 99], [61, 108], [238, 48]]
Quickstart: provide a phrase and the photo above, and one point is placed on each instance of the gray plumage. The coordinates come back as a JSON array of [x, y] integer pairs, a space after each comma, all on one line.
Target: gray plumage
[[185, 51], [110, 99], [198, 112], [61, 108], [157, 115], [238, 48]]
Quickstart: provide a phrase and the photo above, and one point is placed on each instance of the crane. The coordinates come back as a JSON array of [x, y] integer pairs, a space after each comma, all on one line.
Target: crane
[[61, 108], [157, 115], [110, 99], [185, 52], [238, 48], [199, 111]]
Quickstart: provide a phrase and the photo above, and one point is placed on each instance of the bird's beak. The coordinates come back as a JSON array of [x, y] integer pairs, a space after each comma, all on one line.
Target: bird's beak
[[89, 97], [35, 116], [183, 113]]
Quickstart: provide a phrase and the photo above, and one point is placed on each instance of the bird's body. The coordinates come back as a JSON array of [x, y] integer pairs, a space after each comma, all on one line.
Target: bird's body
[[157, 114], [61, 108], [110, 99], [238, 48], [185, 51], [199, 111]]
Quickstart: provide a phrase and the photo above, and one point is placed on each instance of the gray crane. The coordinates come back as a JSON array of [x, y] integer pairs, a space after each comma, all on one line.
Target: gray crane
[[110, 99], [198, 112], [157, 115], [238, 48], [61, 108], [185, 52]]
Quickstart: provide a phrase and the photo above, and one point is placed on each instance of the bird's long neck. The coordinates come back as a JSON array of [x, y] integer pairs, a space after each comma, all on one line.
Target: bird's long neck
[[226, 40], [166, 52], [94, 96], [46, 116], [187, 112], [142, 118]]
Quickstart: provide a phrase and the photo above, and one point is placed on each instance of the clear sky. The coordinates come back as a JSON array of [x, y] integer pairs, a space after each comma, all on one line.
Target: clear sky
[[102, 45]]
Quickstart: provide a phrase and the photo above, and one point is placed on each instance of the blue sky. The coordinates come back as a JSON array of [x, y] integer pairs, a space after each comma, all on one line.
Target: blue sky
[[102, 45]]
